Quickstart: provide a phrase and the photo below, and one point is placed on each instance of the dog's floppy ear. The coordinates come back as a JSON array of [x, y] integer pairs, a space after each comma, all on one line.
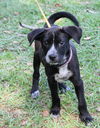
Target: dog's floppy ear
[[74, 32], [35, 35]]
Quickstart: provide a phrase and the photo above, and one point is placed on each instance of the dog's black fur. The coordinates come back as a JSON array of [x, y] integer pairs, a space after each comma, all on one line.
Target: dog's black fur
[[60, 37]]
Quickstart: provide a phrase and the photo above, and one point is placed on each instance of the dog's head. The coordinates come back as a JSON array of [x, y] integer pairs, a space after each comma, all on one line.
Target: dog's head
[[55, 42]]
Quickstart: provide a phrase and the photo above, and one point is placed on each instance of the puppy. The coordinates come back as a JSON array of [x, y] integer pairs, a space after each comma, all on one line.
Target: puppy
[[54, 48]]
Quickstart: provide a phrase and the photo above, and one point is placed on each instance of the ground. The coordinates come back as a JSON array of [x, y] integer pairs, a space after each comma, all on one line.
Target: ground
[[17, 108]]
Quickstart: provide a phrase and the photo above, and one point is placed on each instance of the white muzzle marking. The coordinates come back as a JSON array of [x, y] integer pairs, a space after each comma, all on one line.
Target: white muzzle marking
[[52, 50]]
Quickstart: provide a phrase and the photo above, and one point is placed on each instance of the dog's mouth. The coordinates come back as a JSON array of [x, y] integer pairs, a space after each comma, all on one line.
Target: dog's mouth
[[53, 63], [58, 63]]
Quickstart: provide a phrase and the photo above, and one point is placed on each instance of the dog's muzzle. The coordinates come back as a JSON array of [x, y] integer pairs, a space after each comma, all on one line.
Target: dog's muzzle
[[52, 59], [52, 56]]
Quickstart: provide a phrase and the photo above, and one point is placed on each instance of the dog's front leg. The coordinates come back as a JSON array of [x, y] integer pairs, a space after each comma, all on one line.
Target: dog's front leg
[[36, 74], [82, 106], [55, 109]]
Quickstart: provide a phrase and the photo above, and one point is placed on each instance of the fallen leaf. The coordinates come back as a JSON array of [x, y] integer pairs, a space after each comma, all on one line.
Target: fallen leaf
[[4, 126], [7, 31], [15, 42], [6, 84], [90, 11], [58, 5], [85, 3], [87, 38], [29, 63], [16, 13], [23, 122], [27, 72], [40, 21], [98, 109], [45, 113], [5, 19], [22, 49]]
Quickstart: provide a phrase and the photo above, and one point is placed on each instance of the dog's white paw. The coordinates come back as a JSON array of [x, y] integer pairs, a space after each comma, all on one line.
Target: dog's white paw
[[35, 94], [55, 116]]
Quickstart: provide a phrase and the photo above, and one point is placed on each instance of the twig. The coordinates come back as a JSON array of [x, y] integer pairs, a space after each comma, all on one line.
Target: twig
[[26, 26]]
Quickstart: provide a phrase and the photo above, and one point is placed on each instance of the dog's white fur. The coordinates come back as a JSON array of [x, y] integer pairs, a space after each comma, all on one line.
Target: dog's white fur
[[52, 50], [35, 94], [64, 73]]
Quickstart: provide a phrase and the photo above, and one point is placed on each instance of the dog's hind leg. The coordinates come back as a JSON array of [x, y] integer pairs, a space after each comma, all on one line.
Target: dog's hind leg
[[63, 88], [35, 82], [82, 106]]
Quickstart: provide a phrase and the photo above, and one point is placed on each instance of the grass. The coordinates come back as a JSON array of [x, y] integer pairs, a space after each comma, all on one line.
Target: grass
[[17, 109]]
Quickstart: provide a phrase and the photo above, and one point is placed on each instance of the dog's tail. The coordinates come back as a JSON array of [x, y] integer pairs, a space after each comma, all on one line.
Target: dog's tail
[[59, 15]]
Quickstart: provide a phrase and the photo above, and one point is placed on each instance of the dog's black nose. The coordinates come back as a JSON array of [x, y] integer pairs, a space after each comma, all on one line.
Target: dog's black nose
[[52, 57]]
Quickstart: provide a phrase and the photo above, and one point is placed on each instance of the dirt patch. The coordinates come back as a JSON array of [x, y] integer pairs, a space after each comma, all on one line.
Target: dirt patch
[[14, 112]]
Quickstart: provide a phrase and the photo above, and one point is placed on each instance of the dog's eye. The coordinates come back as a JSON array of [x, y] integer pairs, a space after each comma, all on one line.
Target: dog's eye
[[45, 43], [61, 43]]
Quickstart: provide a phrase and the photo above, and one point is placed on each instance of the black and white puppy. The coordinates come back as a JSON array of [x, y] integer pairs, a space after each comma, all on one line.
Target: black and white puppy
[[55, 50]]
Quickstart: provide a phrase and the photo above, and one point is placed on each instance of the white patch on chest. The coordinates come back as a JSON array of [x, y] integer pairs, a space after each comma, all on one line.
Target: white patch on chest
[[64, 73]]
